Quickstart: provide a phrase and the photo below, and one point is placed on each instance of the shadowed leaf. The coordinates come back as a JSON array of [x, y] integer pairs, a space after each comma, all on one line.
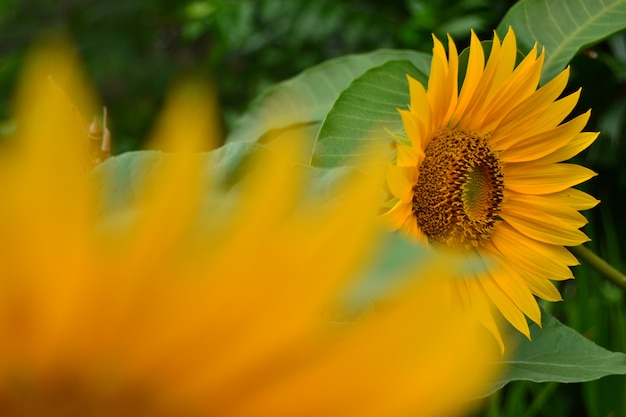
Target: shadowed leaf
[[307, 97]]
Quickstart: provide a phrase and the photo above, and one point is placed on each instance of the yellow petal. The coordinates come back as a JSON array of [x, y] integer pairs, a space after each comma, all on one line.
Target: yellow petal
[[437, 359], [526, 113], [573, 148], [504, 68], [545, 205], [514, 286], [544, 179], [184, 127], [482, 306], [398, 215], [422, 112], [409, 156], [498, 65], [541, 287], [452, 81], [534, 124], [575, 199], [400, 181], [506, 306], [439, 88], [538, 227], [538, 258], [410, 229], [413, 128], [520, 85], [544, 143], [43, 173], [474, 73]]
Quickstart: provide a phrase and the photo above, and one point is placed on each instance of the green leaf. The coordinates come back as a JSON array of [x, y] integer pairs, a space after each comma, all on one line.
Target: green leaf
[[564, 27], [306, 98], [366, 113], [560, 354], [121, 177], [303, 134]]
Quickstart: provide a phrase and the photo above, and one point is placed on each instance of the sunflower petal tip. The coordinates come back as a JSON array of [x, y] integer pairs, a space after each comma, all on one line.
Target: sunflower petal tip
[[474, 37], [509, 33], [496, 38], [535, 49], [437, 43], [593, 139]]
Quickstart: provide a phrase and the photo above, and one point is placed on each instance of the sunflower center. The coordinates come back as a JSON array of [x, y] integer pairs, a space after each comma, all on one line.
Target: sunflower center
[[458, 195]]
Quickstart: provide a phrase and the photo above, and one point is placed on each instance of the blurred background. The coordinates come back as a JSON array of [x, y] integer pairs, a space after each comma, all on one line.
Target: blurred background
[[133, 50]]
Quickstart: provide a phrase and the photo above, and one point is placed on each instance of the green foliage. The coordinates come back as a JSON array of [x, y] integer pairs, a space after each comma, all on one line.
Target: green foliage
[[121, 178], [365, 115], [563, 27], [308, 97], [560, 354], [133, 50], [441, 17]]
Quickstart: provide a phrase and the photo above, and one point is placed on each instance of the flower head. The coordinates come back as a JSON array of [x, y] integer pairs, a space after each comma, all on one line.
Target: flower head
[[482, 172], [167, 309]]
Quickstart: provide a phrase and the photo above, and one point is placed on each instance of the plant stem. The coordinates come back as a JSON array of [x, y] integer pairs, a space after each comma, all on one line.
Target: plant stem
[[600, 265], [546, 390]]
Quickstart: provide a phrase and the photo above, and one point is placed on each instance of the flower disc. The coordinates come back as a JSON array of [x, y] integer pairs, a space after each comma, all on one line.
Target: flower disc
[[459, 192]]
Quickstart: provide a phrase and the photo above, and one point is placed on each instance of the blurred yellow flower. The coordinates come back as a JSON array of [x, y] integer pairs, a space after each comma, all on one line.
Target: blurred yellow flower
[[480, 173], [178, 312]]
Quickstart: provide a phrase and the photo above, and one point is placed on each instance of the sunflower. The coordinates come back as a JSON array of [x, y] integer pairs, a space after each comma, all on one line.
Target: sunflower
[[480, 171], [175, 307]]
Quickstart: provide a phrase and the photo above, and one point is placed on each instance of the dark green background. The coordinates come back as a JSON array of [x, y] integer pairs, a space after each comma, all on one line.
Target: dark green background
[[134, 49]]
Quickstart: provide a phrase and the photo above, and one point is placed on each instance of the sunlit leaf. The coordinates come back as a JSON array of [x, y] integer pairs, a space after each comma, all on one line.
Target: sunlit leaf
[[563, 27], [121, 177], [365, 114], [306, 98]]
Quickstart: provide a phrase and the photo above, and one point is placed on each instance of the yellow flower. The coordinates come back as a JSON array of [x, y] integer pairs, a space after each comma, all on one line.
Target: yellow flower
[[179, 307], [481, 173]]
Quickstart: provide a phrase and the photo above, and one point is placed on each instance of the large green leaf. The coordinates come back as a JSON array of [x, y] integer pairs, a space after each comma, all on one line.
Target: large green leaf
[[306, 98], [122, 177], [560, 354], [304, 135], [564, 27], [365, 113]]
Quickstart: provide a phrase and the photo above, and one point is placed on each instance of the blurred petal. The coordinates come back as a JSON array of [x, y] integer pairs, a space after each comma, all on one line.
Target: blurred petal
[[194, 305]]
